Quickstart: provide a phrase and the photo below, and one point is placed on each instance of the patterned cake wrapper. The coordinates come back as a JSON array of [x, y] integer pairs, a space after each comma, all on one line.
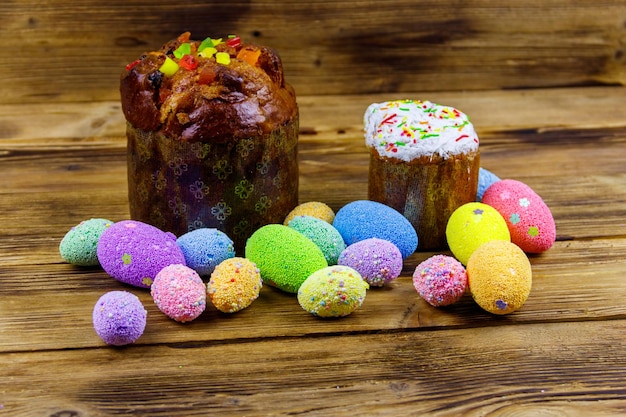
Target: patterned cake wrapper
[[236, 187], [426, 190]]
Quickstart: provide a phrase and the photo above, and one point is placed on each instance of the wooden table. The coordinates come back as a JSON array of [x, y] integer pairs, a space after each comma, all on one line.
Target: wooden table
[[563, 353]]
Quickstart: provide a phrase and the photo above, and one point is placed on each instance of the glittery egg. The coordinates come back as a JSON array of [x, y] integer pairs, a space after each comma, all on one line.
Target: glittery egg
[[205, 248], [134, 252], [334, 291], [528, 218], [80, 243], [323, 234], [119, 318], [441, 280], [499, 277], [234, 285], [378, 261], [285, 256], [470, 226], [178, 291], [312, 208], [364, 219], [485, 179]]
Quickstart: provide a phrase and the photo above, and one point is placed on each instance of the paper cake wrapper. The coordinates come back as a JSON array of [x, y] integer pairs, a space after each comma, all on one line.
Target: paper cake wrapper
[[237, 186], [425, 190]]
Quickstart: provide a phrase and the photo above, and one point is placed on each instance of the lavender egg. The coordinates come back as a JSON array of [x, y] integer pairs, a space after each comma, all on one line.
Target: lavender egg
[[134, 252], [377, 260]]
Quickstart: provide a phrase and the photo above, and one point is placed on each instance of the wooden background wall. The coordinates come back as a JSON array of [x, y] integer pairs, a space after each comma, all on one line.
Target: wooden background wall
[[60, 51]]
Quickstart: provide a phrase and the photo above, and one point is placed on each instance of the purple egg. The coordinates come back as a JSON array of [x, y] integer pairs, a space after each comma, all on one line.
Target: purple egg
[[119, 318], [378, 261], [134, 252]]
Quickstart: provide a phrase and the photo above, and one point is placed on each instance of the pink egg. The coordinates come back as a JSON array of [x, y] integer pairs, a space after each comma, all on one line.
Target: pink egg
[[179, 292], [528, 218]]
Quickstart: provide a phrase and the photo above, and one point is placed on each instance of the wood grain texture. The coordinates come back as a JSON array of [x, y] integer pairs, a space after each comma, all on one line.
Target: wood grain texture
[[503, 371], [63, 52], [563, 353]]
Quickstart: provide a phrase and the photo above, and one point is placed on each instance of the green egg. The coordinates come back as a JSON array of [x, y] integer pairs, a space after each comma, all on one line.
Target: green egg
[[78, 246], [284, 256]]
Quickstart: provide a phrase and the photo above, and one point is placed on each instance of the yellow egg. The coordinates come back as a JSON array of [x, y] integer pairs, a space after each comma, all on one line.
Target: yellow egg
[[471, 225], [499, 277], [314, 209]]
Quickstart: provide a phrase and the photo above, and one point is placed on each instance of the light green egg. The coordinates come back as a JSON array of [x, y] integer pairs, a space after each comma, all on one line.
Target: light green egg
[[80, 243]]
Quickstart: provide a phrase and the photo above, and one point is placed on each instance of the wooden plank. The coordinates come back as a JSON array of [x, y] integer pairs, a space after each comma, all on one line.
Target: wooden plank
[[567, 286], [63, 51], [337, 118], [574, 369]]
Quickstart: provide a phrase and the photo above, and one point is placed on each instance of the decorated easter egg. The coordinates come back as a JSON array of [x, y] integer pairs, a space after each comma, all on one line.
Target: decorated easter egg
[[234, 285], [119, 318], [364, 219], [312, 208], [79, 245], [470, 226], [499, 277], [323, 234], [485, 179], [205, 248], [378, 261], [178, 291], [334, 291], [284, 256], [441, 280], [134, 252], [528, 218]]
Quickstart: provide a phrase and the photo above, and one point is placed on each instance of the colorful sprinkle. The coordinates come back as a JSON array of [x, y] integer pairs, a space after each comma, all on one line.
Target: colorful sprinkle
[[132, 64], [222, 58], [233, 41], [169, 67], [182, 50], [209, 43], [189, 62]]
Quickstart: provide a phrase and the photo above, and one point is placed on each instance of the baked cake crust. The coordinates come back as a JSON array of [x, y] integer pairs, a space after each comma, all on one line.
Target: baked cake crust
[[208, 100]]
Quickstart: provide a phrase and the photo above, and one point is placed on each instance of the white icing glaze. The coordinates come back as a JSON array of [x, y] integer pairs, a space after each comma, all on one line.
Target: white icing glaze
[[409, 129]]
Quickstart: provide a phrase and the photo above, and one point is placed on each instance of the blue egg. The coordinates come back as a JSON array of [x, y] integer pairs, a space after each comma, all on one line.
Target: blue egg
[[364, 219], [485, 180], [205, 248]]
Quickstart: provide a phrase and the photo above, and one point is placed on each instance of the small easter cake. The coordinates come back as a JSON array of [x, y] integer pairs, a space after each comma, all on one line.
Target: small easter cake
[[212, 131], [424, 162]]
